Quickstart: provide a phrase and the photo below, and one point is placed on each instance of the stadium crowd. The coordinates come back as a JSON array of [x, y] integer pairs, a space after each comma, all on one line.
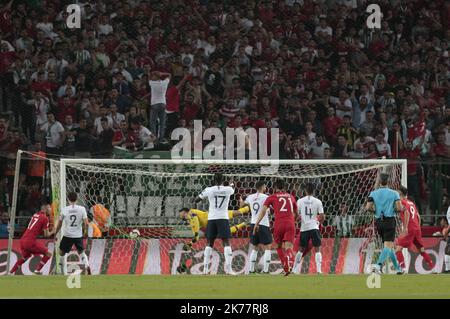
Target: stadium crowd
[[334, 87]]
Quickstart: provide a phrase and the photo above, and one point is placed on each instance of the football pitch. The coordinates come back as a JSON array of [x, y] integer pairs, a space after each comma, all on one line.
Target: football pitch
[[229, 287]]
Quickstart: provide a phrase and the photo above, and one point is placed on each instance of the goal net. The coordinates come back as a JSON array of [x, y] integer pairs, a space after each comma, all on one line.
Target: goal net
[[146, 195]]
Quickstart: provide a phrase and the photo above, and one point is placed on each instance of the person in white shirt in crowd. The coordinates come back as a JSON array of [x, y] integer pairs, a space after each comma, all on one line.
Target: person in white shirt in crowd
[[357, 152], [146, 138], [115, 116], [158, 84], [54, 132], [103, 114], [40, 106], [343, 105], [383, 148], [318, 148], [68, 84], [364, 140]]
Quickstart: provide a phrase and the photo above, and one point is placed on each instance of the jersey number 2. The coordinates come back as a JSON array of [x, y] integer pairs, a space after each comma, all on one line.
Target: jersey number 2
[[73, 219]]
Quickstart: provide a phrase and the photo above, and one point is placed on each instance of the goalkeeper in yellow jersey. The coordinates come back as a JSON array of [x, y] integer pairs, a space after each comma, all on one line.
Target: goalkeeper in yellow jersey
[[198, 219]]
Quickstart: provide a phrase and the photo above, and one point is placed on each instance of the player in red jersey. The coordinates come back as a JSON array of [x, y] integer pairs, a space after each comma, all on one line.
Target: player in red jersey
[[412, 233], [285, 210], [29, 244]]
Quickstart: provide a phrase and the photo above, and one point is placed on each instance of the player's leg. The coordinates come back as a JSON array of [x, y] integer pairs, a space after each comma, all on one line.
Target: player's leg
[[303, 243], [25, 255], [402, 242], [267, 258], [81, 252], [253, 258], [447, 258], [289, 237], [225, 234], [418, 242], [265, 240], [254, 242], [211, 235], [64, 248], [46, 255], [317, 242]]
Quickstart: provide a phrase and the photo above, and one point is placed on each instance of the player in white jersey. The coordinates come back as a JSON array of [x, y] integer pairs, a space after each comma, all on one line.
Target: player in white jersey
[[263, 238], [218, 225], [311, 212], [71, 221]]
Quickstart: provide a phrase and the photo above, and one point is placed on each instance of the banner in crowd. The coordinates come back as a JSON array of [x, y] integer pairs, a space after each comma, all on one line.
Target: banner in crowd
[[164, 256]]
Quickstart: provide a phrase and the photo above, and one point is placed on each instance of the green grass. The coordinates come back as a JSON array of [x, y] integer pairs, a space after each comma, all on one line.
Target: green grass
[[254, 286]]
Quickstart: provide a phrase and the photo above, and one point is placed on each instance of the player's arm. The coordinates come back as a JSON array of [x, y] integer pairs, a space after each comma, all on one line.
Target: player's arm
[[295, 208], [195, 225], [321, 215], [244, 208], [261, 215], [398, 206], [405, 221], [85, 223], [59, 224]]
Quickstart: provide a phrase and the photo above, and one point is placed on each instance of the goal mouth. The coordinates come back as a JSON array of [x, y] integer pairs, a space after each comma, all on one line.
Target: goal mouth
[[147, 195]]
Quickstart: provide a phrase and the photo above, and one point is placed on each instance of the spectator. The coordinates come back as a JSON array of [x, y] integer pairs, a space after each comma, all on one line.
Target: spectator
[[144, 135], [383, 148], [54, 133], [4, 224], [158, 84], [318, 148], [103, 142], [348, 131], [70, 130], [83, 140]]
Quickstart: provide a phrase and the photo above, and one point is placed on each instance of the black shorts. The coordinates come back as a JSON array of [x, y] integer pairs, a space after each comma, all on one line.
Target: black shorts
[[386, 228], [218, 228], [313, 235], [263, 236], [67, 243]]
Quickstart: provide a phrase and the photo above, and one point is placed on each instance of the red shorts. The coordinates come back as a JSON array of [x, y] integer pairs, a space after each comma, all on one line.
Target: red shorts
[[413, 237], [284, 231], [32, 248]]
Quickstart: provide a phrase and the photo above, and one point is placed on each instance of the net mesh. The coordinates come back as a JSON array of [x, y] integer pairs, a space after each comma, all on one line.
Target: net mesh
[[147, 197]]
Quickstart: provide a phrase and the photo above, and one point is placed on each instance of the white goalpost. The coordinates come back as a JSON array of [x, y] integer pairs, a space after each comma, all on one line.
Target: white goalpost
[[147, 194]]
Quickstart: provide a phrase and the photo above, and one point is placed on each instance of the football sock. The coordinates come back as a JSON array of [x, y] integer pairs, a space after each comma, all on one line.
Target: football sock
[[282, 258], [63, 263], [206, 259], [84, 259], [427, 259], [253, 257], [291, 256], [384, 254], [394, 259], [400, 258], [298, 260], [17, 265], [319, 262], [43, 261], [228, 257], [267, 259], [447, 262]]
